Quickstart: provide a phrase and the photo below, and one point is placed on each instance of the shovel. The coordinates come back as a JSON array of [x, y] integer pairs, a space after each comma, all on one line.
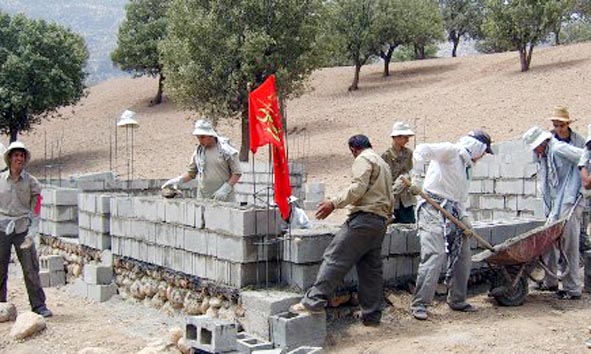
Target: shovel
[[452, 218]]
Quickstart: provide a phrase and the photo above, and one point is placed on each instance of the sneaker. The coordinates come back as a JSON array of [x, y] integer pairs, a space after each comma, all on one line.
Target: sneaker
[[419, 313], [565, 295], [463, 307], [541, 286], [299, 308], [43, 311]]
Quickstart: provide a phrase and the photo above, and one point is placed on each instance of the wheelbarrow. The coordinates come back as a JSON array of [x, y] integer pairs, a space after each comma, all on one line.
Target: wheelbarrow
[[514, 261]]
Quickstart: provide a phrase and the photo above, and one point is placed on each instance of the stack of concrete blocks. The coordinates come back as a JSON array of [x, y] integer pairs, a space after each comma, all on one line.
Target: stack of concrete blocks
[[504, 185], [315, 193], [94, 217], [51, 271], [259, 181], [97, 283], [211, 335], [290, 330], [221, 242], [59, 212], [259, 306]]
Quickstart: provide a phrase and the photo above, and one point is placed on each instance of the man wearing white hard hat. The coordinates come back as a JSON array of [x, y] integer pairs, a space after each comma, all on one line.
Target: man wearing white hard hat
[[399, 158], [214, 163], [19, 196], [560, 184], [446, 181]]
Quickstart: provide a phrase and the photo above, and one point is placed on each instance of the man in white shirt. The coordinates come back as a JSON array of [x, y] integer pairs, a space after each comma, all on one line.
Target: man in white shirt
[[446, 181]]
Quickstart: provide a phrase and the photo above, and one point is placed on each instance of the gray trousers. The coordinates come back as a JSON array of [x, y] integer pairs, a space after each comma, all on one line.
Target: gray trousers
[[358, 243], [29, 263], [572, 282], [434, 257]]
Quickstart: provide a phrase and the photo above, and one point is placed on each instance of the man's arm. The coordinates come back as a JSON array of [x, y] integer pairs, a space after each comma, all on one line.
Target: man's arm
[[569, 152]]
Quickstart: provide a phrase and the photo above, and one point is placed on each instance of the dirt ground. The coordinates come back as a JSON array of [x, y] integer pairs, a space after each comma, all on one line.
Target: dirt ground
[[441, 98]]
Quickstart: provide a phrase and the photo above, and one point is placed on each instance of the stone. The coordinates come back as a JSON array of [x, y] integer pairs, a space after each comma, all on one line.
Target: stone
[[7, 312], [27, 324], [183, 346]]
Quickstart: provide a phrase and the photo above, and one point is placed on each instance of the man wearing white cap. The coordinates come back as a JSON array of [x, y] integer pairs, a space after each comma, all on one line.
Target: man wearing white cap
[[214, 163], [560, 182], [446, 182], [399, 158], [19, 195]]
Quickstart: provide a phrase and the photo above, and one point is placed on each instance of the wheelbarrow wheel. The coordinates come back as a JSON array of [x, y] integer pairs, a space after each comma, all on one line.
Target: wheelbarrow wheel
[[504, 294]]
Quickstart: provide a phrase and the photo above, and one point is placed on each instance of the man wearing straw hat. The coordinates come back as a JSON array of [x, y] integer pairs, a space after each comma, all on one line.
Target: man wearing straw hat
[[19, 198], [562, 131], [399, 158], [447, 181], [560, 182], [214, 163]]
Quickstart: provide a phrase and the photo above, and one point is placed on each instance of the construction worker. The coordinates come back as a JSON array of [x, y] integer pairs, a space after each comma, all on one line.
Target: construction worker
[[399, 158], [562, 131], [214, 163], [19, 196], [560, 182], [359, 241], [446, 181]]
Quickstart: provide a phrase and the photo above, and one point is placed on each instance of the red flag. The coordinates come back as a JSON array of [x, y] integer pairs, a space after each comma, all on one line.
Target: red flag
[[266, 128]]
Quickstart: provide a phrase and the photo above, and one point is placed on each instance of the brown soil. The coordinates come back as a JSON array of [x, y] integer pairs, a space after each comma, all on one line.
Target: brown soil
[[441, 98]]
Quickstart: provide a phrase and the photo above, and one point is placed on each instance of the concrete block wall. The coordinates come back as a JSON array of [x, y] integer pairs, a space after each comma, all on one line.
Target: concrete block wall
[[94, 214], [258, 178], [59, 212]]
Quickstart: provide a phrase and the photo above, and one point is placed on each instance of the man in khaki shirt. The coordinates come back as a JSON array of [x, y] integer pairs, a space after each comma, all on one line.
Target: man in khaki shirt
[[19, 195], [214, 163], [359, 241]]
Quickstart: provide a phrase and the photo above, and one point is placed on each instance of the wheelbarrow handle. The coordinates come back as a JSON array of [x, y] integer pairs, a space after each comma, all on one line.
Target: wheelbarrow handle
[[468, 232]]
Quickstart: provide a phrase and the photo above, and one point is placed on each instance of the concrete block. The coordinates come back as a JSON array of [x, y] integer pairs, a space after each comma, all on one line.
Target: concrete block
[[197, 240], [175, 211], [307, 350], [84, 220], [246, 343], [413, 241], [245, 249], [60, 196], [501, 232], [44, 278], [529, 203], [101, 293], [93, 239], [492, 202], [475, 186], [59, 229], [530, 187], [98, 274], [307, 245], [488, 186], [100, 223], [268, 302], [120, 227], [199, 265], [166, 234], [103, 204], [57, 278], [315, 192], [511, 202], [86, 202], [210, 334], [150, 208], [79, 288], [59, 212], [226, 218], [107, 258], [52, 263], [300, 276], [290, 330], [509, 186], [122, 206], [397, 240], [504, 214]]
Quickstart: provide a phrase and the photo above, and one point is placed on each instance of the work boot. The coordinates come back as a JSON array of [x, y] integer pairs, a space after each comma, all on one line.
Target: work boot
[[43, 311], [463, 307]]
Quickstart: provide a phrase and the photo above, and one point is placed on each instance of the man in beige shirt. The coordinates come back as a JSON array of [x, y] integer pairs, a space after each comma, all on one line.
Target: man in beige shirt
[[19, 195], [359, 241], [214, 163]]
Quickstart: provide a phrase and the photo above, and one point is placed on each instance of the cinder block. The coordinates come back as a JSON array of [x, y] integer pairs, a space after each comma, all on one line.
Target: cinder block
[[509, 186], [149, 208], [492, 202], [175, 211], [315, 192], [103, 204], [122, 206], [397, 240], [98, 274], [226, 218], [269, 302], [307, 245], [59, 229], [307, 350], [246, 343], [84, 220], [57, 278], [475, 186], [290, 330], [245, 249], [86, 202], [301, 276], [197, 240], [59, 212], [488, 186], [101, 293], [60, 196], [210, 334], [52, 263], [100, 223], [530, 187], [44, 278]]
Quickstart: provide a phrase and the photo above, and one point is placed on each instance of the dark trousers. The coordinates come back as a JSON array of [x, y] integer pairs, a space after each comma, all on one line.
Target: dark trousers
[[29, 263], [358, 243], [405, 215]]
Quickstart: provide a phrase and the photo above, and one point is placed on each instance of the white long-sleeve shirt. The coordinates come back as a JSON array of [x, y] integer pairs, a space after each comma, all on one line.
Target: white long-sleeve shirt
[[446, 176]]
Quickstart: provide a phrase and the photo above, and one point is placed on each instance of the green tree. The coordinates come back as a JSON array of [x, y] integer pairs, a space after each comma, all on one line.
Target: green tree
[[137, 41], [520, 23], [563, 11], [392, 29], [215, 50], [462, 18], [41, 69], [426, 25], [354, 27]]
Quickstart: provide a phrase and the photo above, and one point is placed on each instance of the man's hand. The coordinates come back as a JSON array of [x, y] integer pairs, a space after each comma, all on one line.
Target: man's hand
[[325, 208], [173, 183], [223, 193], [414, 189]]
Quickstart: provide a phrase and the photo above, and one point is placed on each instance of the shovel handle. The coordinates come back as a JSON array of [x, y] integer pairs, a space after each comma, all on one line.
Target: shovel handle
[[468, 232]]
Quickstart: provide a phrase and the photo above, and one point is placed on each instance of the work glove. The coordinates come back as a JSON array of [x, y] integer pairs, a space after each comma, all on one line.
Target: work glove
[[414, 189], [223, 192], [173, 183]]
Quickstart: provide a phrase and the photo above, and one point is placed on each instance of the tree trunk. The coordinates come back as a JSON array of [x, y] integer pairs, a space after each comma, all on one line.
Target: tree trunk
[[523, 58], [456, 43], [529, 54], [245, 144], [557, 35], [355, 85], [158, 98], [387, 58], [13, 134]]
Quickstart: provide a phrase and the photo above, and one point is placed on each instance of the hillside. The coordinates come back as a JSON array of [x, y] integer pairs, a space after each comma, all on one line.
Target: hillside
[[442, 98]]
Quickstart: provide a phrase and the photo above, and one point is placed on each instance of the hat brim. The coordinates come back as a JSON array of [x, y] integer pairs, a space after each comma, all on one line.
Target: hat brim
[[204, 132], [539, 140], [402, 133], [562, 119]]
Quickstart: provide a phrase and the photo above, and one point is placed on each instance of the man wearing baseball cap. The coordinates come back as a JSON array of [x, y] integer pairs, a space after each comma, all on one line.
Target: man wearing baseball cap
[[19, 195], [214, 163], [560, 183]]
